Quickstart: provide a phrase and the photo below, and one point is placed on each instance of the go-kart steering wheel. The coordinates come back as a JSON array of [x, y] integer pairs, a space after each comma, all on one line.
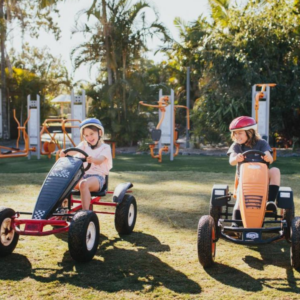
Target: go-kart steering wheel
[[82, 159], [254, 159]]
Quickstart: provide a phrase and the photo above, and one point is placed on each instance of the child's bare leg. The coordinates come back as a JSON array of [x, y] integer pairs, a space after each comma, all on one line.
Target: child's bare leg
[[274, 175], [86, 186]]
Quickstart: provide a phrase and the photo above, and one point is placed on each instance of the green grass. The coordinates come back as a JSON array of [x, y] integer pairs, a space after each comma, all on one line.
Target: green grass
[[133, 163], [158, 260]]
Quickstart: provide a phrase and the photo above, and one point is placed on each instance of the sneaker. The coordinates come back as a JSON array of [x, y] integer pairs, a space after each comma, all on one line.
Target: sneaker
[[271, 209]]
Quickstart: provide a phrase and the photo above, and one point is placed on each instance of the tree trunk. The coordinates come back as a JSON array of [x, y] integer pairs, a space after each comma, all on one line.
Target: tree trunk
[[5, 120], [107, 45], [124, 86]]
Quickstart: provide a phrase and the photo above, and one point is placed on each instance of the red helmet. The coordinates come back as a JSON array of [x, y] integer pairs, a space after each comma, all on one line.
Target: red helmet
[[243, 123]]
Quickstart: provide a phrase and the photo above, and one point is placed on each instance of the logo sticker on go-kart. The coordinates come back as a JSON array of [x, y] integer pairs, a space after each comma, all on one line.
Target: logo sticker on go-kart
[[252, 235], [38, 214], [253, 166], [59, 173]]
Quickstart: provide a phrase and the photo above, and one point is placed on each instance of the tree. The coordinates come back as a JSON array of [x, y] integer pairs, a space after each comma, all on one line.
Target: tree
[[259, 45], [36, 71], [117, 42], [30, 15], [182, 54]]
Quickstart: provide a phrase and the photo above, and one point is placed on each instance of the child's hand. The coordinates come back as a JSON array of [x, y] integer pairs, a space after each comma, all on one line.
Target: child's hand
[[267, 158], [240, 157], [90, 159]]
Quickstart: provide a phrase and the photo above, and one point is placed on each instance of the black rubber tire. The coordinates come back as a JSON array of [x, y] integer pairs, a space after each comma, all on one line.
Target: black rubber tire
[[288, 215], [83, 237], [206, 244], [125, 216], [9, 238], [215, 213], [295, 245]]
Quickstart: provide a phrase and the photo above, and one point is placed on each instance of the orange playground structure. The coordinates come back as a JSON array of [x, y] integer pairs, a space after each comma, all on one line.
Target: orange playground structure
[[164, 103], [16, 151]]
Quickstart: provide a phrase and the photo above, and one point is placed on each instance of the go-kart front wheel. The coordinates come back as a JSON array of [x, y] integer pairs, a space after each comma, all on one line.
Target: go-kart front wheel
[[288, 215], [9, 238], [83, 236], [295, 246], [206, 241], [215, 213], [125, 216]]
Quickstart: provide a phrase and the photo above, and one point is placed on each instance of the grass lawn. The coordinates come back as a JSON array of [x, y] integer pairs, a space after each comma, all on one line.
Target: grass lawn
[[133, 163], [159, 260]]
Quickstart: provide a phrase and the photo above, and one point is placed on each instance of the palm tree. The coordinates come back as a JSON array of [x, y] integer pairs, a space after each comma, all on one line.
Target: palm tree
[[117, 40], [118, 36], [220, 11]]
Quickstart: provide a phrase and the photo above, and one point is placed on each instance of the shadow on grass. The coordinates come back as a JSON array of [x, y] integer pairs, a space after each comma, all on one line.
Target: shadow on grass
[[15, 267], [277, 254], [233, 277], [116, 269]]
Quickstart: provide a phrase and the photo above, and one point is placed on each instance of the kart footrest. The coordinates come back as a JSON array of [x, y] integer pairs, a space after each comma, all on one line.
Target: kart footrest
[[93, 194]]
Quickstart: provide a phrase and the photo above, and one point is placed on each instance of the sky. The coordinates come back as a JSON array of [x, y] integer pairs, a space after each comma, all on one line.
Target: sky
[[188, 10]]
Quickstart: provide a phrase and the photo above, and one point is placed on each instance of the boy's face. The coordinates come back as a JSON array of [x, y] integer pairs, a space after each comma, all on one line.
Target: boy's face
[[240, 136], [91, 136]]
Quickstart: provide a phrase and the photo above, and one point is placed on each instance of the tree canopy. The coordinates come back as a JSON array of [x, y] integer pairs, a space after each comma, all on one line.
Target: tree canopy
[[237, 46]]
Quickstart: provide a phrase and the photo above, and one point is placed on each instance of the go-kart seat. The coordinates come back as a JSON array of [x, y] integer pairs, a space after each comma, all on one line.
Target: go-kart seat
[[95, 194]]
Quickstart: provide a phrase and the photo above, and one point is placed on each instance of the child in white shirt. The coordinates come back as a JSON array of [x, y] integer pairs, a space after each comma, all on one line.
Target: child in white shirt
[[99, 156]]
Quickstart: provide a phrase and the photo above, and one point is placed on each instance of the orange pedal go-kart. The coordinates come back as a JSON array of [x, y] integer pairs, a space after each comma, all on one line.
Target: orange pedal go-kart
[[261, 222], [58, 207]]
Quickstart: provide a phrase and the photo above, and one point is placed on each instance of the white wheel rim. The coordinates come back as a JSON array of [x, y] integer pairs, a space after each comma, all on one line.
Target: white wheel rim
[[131, 213], [7, 235], [91, 236]]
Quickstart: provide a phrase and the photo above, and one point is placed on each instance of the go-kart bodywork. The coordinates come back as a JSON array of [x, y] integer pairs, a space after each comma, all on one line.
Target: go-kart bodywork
[[58, 207], [257, 225]]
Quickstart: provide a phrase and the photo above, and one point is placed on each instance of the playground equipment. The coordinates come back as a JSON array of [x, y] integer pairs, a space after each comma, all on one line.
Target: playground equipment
[[55, 134], [32, 137], [59, 131], [16, 151], [62, 126], [77, 113], [261, 110], [57, 206], [33, 107], [165, 135]]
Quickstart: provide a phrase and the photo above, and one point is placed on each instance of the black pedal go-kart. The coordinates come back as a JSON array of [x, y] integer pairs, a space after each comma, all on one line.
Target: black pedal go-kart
[[58, 206], [260, 222]]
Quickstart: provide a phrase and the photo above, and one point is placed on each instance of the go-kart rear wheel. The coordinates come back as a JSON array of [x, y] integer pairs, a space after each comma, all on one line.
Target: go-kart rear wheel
[[83, 236], [288, 215], [9, 237], [206, 241], [295, 246], [125, 216]]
